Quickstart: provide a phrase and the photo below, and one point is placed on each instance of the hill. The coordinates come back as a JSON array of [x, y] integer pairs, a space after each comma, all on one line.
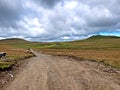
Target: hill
[[103, 37], [16, 42], [13, 41], [94, 42]]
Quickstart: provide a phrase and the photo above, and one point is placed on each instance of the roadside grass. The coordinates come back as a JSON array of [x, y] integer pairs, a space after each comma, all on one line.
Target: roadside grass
[[107, 57], [13, 54]]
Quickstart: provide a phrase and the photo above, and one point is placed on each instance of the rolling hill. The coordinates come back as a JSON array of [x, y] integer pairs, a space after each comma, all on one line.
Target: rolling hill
[[13, 41], [93, 42]]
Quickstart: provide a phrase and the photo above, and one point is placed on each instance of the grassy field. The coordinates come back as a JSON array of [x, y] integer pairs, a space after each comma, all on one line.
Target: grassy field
[[13, 54], [104, 49]]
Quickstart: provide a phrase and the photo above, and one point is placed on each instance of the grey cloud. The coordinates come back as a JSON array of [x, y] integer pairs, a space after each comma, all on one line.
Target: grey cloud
[[47, 3], [9, 12], [102, 22], [102, 13]]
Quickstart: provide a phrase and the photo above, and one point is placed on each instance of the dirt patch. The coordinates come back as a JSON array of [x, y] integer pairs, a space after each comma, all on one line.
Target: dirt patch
[[8, 75]]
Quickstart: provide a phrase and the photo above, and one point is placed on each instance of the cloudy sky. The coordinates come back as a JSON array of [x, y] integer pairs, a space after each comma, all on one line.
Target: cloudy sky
[[58, 20]]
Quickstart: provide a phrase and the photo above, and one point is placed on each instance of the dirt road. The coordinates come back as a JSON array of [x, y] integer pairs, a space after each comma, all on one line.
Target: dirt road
[[46, 72]]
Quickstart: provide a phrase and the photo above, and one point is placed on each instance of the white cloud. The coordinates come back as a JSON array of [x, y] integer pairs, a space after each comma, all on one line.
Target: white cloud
[[71, 5], [32, 26]]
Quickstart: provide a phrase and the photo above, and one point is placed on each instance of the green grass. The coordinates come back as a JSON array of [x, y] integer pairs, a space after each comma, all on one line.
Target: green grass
[[6, 65], [92, 43]]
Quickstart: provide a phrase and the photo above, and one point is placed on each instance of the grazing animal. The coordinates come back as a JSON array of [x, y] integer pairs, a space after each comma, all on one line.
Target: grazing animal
[[3, 54]]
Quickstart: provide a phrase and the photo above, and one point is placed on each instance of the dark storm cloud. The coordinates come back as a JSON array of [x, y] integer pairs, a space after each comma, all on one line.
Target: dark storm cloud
[[9, 12]]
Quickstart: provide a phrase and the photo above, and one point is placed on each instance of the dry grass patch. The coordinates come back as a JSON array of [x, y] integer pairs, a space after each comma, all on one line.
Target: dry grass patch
[[111, 57], [13, 54]]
